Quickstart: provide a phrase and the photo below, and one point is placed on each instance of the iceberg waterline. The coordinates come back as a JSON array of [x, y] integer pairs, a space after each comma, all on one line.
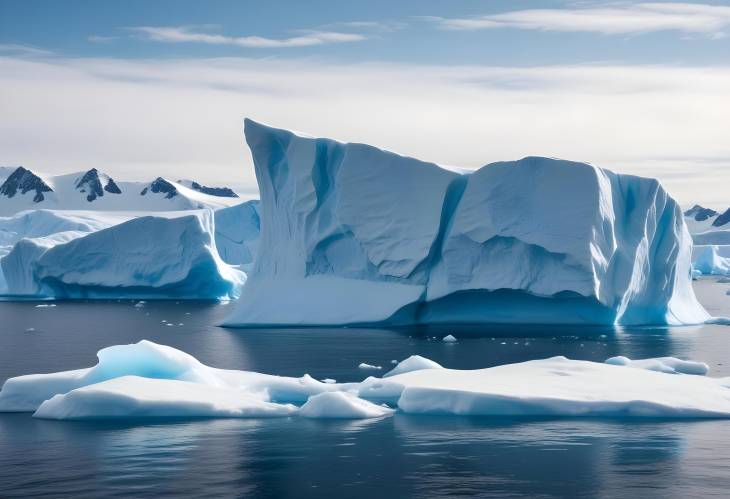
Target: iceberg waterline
[[147, 380], [351, 234]]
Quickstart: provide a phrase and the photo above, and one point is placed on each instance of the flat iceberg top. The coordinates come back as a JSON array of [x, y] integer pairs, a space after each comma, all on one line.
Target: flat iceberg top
[[147, 380], [538, 240]]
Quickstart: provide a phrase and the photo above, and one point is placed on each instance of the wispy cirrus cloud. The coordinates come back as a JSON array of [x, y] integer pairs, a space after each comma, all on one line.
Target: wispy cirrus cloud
[[610, 19], [183, 34], [22, 50]]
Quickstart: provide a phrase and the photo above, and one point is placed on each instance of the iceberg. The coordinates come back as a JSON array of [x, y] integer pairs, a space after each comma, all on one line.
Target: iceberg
[[711, 259], [170, 255], [351, 234], [147, 380]]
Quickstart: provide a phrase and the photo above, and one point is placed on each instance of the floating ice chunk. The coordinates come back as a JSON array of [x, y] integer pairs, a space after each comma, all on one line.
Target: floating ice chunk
[[449, 338], [136, 397], [342, 405], [329, 381], [394, 361], [363, 365], [150, 380], [669, 365], [45, 305], [412, 363], [140, 304], [559, 387]]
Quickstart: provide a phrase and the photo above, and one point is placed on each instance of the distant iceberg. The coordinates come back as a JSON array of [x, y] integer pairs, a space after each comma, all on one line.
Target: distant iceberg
[[711, 259], [168, 255], [147, 380], [352, 234]]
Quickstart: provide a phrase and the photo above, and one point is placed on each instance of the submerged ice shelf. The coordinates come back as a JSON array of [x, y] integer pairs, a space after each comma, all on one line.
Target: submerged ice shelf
[[351, 234], [147, 380]]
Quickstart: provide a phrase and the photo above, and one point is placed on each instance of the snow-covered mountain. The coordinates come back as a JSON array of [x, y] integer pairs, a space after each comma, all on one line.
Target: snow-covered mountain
[[700, 219], [21, 189]]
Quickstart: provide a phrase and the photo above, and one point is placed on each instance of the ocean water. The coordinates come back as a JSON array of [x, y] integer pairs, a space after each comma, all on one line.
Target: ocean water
[[400, 456]]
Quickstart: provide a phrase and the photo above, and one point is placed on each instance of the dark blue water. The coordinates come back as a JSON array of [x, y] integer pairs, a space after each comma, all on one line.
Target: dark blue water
[[401, 456]]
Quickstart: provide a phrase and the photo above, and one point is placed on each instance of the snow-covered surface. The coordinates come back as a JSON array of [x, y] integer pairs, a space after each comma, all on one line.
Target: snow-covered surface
[[670, 365], [136, 397], [712, 237], [352, 234], [711, 259], [170, 254], [92, 190], [342, 405], [412, 363], [150, 380]]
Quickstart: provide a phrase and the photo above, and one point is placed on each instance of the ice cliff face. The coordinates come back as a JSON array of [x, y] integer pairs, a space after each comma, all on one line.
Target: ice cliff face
[[237, 231], [353, 234]]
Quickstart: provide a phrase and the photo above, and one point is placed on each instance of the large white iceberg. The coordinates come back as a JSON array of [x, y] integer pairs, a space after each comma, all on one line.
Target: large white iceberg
[[353, 234], [147, 380], [162, 256]]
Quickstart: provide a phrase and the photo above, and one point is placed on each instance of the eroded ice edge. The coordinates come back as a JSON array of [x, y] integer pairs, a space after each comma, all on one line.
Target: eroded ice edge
[[147, 380]]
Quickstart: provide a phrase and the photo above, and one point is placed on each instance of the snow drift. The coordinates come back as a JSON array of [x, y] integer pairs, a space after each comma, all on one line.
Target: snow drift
[[147, 380], [162, 256], [352, 234]]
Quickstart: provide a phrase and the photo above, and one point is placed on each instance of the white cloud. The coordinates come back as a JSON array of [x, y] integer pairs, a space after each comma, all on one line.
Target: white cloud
[[609, 19], [178, 34], [182, 117], [22, 50]]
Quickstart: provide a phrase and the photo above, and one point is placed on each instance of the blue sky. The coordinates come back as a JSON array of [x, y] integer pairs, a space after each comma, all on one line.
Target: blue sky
[[136, 86]]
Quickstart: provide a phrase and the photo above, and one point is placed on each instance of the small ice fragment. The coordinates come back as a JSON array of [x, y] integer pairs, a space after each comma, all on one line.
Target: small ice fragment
[[449, 338], [341, 405], [329, 381], [30, 330], [164, 320], [169, 324], [363, 365], [45, 305], [179, 323], [393, 361]]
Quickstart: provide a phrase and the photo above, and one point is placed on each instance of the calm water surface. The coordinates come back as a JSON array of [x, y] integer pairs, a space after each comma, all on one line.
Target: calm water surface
[[401, 456]]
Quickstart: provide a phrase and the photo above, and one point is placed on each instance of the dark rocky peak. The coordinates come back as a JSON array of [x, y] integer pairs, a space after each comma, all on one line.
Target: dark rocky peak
[[699, 213], [163, 186], [23, 181], [722, 219], [91, 184], [223, 192]]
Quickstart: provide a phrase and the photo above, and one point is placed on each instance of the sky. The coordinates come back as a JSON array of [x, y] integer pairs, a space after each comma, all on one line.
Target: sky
[[147, 88]]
